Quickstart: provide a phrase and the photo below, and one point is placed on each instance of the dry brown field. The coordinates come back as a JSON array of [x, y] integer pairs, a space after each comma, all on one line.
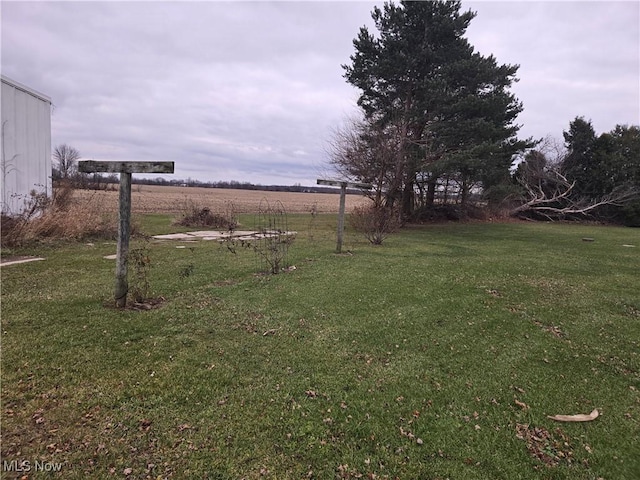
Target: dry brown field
[[175, 200]]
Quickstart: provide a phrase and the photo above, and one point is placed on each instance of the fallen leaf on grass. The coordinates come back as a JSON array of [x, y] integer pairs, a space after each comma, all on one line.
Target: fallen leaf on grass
[[522, 405], [576, 418], [543, 445], [144, 425]]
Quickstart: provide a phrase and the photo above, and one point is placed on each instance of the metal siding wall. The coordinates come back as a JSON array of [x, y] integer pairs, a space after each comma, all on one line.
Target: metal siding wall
[[8, 166], [26, 147]]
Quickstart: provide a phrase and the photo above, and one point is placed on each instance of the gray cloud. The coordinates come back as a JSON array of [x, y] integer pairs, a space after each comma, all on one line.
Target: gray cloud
[[576, 59], [250, 91]]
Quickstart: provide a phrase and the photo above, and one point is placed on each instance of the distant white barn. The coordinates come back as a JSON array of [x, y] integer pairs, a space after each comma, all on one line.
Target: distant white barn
[[26, 145]]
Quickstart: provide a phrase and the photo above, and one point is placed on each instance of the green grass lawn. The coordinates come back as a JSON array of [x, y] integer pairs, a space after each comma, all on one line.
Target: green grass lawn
[[437, 355]]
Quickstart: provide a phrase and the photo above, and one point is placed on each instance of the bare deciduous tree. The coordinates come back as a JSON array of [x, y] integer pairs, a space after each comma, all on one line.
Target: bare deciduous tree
[[364, 152], [67, 158]]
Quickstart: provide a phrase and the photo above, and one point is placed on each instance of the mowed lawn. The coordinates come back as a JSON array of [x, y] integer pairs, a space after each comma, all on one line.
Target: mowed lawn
[[437, 355]]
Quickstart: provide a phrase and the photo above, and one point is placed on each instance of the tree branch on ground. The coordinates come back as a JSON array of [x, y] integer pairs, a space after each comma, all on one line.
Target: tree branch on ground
[[548, 193]]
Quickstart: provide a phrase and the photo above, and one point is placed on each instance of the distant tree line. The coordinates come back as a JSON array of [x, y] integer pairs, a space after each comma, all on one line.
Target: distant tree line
[[65, 170], [236, 185]]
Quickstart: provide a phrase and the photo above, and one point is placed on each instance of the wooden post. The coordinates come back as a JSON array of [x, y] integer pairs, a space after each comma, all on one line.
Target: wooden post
[[124, 228], [124, 214], [343, 198], [343, 194]]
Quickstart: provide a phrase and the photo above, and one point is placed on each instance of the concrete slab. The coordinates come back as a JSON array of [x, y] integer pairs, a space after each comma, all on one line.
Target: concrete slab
[[174, 236], [17, 260], [209, 235]]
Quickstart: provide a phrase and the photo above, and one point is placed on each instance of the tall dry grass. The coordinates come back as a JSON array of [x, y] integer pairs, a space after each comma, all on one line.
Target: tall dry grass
[[60, 217]]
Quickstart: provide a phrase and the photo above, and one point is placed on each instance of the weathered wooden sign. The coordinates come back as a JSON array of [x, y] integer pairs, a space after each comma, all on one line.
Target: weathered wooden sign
[[343, 195], [125, 169]]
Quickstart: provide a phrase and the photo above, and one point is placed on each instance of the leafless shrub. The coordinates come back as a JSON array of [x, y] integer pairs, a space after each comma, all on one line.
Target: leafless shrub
[[274, 238], [196, 215], [375, 222], [312, 222], [271, 240], [140, 259]]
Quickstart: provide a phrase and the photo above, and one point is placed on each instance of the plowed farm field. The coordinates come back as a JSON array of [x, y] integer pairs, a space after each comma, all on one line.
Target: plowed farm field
[[161, 199]]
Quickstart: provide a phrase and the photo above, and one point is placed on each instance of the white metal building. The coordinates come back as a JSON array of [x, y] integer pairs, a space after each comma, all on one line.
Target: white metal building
[[26, 145]]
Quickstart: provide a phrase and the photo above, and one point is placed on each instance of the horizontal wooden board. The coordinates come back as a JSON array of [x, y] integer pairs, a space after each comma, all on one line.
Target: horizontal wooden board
[[340, 183], [90, 166]]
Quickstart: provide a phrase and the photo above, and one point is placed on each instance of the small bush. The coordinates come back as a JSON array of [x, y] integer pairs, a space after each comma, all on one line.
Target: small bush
[[140, 261], [195, 215], [375, 222]]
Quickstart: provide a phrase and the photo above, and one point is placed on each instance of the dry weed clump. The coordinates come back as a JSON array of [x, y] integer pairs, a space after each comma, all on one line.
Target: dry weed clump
[[195, 215], [58, 218]]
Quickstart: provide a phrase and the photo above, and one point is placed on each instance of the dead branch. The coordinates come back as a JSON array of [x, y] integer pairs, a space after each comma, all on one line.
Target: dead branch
[[550, 196]]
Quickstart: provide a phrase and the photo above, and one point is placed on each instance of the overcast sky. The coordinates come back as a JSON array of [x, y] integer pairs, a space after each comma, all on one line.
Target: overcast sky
[[250, 91]]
